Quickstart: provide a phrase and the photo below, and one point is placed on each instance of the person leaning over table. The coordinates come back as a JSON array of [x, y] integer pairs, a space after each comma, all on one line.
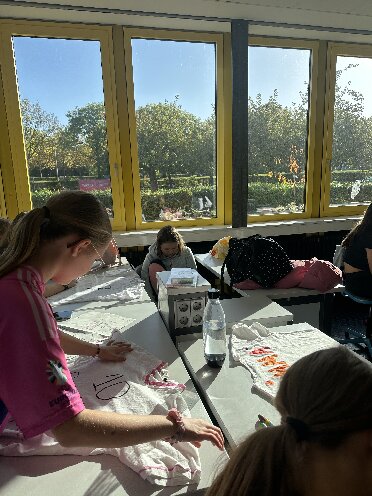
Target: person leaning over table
[[169, 251], [357, 272], [60, 241], [52, 288], [323, 446]]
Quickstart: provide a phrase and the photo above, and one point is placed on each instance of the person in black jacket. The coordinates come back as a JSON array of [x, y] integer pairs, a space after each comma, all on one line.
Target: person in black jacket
[[358, 257]]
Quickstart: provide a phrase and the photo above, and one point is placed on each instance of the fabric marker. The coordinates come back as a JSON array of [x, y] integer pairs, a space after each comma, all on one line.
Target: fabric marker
[[266, 422]]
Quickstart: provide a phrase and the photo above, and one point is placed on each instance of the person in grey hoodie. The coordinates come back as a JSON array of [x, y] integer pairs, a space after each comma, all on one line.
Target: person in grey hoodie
[[169, 250]]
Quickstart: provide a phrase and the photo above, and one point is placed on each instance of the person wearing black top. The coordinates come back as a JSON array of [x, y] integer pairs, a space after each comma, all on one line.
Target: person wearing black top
[[358, 257]]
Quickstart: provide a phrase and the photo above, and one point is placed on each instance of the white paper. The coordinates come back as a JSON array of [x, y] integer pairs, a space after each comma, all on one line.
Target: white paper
[[182, 277]]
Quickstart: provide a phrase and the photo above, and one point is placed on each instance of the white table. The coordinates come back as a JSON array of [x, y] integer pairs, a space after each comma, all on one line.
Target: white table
[[229, 390], [95, 283], [255, 308], [104, 475], [295, 298]]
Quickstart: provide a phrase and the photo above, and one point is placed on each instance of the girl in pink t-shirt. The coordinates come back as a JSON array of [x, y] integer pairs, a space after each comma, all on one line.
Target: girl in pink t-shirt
[[60, 242]]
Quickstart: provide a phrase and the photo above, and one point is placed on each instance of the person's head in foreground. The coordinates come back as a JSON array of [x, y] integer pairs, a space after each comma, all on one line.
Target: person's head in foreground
[[4, 228], [324, 443]]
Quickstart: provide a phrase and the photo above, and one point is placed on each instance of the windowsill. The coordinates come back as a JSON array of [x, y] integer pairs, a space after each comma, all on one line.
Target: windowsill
[[212, 233]]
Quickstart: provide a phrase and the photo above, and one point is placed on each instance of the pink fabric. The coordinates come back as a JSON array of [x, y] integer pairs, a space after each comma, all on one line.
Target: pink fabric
[[322, 276], [311, 274], [35, 384], [291, 280], [295, 277], [153, 269], [247, 284]]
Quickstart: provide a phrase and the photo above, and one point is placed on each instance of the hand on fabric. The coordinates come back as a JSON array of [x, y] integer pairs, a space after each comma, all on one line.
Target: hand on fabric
[[114, 351], [198, 430]]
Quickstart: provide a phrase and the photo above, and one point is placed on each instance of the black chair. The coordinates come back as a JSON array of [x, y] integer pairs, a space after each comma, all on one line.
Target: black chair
[[354, 336]]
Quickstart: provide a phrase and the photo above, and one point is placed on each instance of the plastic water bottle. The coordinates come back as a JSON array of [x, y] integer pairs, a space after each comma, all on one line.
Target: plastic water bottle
[[214, 330]]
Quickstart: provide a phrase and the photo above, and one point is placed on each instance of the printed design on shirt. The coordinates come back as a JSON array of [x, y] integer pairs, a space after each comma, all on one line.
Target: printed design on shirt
[[113, 387], [55, 373]]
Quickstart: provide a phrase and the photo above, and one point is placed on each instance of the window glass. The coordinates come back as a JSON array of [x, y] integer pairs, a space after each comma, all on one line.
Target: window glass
[[351, 164], [63, 116], [175, 108], [278, 108]]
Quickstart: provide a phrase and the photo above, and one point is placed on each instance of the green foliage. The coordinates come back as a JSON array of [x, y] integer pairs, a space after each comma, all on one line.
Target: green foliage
[[87, 127], [41, 196], [40, 130], [172, 141], [273, 195], [177, 199], [351, 176], [177, 152], [276, 135]]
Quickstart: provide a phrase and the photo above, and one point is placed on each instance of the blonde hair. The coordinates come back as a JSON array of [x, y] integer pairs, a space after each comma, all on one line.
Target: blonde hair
[[169, 234], [323, 398], [68, 212]]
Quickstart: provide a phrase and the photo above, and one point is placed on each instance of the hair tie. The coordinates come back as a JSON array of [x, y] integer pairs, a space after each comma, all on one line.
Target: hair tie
[[301, 429], [46, 212]]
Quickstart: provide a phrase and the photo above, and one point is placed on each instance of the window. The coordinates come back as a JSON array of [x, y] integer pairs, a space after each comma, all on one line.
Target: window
[[142, 118], [61, 94], [348, 158], [175, 118], [279, 88], [63, 116]]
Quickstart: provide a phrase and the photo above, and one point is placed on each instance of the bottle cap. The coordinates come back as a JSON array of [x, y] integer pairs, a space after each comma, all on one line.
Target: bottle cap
[[213, 294]]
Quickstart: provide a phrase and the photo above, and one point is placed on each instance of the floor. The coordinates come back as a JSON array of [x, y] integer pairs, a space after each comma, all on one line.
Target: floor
[[348, 315]]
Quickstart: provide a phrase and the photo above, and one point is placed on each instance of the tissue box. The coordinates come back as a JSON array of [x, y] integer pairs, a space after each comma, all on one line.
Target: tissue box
[[181, 306]]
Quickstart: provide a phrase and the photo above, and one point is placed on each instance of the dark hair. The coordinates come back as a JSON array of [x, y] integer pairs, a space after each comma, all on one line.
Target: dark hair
[[4, 226], [168, 234], [322, 398], [363, 225], [68, 212], [4, 232]]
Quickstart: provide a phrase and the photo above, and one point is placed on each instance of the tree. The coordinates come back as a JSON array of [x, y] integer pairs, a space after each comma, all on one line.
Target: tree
[[87, 127], [275, 134], [351, 148], [40, 130], [172, 141]]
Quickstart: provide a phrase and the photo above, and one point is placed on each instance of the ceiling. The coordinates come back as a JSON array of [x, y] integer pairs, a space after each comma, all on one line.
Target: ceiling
[[341, 15]]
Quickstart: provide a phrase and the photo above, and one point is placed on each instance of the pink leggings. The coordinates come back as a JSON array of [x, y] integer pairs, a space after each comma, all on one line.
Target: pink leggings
[[153, 269]]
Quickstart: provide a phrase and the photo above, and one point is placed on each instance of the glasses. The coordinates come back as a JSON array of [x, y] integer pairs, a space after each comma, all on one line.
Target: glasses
[[99, 256], [113, 242], [100, 259]]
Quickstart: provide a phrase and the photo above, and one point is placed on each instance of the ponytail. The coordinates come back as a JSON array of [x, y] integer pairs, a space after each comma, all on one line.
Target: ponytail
[[23, 240], [265, 464], [68, 212]]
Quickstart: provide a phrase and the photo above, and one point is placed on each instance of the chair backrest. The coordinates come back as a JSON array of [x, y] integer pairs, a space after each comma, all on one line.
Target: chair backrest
[[338, 257], [358, 299]]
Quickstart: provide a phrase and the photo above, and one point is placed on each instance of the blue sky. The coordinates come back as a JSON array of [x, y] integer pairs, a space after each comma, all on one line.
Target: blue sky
[[64, 74]]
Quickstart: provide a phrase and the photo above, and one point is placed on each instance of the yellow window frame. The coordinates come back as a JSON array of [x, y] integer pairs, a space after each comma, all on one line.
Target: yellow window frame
[[334, 50], [102, 34], [8, 203], [310, 194], [156, 34]]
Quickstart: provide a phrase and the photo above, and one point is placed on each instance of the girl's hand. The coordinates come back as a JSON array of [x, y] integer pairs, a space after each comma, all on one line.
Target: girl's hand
[[114, 351], [198, 430]]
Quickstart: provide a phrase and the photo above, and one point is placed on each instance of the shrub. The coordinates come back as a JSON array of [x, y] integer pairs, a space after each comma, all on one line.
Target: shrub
[[40, 197]]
